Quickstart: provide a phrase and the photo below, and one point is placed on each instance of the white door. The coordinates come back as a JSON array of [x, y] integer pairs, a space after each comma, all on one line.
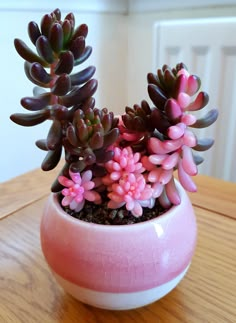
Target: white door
[[208, 49]]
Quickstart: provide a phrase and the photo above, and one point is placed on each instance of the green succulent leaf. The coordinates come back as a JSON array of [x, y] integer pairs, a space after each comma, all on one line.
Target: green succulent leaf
[[67, 32]]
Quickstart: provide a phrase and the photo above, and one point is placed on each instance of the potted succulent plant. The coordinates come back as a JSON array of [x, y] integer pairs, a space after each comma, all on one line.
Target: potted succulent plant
[[118, 230]]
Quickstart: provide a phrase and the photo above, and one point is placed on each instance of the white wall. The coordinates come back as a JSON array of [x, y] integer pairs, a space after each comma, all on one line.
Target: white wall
[[140, 39]]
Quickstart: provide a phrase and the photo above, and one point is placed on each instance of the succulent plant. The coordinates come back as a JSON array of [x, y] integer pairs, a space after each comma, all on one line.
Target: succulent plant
[[64, 96], [126, 161]]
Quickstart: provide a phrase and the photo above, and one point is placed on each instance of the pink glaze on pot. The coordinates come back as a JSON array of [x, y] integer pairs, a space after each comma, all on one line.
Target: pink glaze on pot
[[119, 259]]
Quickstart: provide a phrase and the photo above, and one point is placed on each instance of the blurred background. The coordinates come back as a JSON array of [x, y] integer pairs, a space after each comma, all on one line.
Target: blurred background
[[129, 38]]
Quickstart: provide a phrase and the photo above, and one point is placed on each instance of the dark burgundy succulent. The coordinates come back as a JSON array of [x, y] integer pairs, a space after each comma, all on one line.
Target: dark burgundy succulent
[[63, 96]]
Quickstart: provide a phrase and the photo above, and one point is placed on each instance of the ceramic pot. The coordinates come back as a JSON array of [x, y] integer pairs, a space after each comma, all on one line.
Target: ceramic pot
[[119, 267]]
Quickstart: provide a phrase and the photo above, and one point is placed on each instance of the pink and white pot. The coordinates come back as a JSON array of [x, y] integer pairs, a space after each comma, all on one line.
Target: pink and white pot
[[119, 267]]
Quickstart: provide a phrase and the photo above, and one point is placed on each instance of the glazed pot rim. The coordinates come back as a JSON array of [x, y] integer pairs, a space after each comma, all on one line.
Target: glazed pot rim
[[53, 199]]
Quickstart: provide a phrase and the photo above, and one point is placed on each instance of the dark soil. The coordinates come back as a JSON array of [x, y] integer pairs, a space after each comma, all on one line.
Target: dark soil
[[100, 214]]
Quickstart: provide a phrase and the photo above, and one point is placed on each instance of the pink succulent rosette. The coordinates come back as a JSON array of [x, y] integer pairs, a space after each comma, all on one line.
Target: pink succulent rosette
[[78, 189]]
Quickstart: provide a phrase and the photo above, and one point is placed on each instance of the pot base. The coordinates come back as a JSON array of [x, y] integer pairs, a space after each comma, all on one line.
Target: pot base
[[119, 301]]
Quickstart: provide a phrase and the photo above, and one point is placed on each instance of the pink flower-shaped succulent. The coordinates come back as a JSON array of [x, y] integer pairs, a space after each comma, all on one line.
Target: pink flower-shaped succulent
[[132, 191], [124, 161], [125, 182], [171, 154], [78, 189]]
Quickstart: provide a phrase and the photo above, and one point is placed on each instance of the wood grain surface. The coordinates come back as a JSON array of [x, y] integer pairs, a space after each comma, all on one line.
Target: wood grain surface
[[29, 293], [25, 189], [215, 195]]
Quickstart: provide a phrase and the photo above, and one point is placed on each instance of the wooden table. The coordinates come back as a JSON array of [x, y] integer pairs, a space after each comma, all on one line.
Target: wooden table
[[29, 294]]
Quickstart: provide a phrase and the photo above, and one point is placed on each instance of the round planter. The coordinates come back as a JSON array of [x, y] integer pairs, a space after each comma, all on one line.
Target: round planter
[[119, 267]]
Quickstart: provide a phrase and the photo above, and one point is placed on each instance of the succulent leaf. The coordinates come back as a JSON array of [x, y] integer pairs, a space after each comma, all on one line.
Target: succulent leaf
[[193, 85], [82, 76], [200, 102], [46, 24], [180, 85], [153, 79], [81, 30], [44, 49], [103, 156], [96, 141], [67, 32], [33, 31], [79, 94], [65, 63], [198, 159], [169, 79], [87, 52], [42, 144], [204, 144], [52, 159], [30, 119], [27, 67], [173, 110], [210, 117], [70, 16], [39, 74], [36, 103], [62, 85], [111, 137], [56, 37], [25, 52], [57, 13], [54, 136], [77, 47], [71, 136], [157, 96]]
